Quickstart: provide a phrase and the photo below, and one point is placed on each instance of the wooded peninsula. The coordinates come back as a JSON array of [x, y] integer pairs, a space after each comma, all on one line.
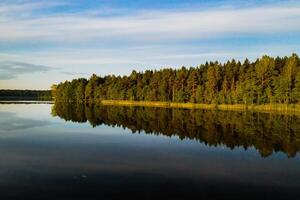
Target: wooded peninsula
[[267, 80]]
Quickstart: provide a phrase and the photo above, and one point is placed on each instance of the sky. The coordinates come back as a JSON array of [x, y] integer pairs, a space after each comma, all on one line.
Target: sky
[[46, 42]]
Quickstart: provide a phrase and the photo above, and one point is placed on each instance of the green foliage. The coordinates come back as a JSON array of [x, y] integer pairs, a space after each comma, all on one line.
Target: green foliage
[[266, 80]]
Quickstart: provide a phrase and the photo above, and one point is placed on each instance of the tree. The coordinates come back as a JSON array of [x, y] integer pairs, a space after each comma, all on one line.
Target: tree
[[54, 90], [90, 87], [212, 84], [199, 94], [296, 90], [80, 90], [192, 82], [264, 69]]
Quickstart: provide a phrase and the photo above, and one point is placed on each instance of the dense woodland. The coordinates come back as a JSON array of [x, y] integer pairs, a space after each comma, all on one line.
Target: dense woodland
[[25, 95], [267, 133], [265, 80]]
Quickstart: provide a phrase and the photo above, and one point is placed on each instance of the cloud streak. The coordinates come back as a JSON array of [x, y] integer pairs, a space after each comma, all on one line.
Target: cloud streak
[[10, 122], [11, 69], [151, 25]]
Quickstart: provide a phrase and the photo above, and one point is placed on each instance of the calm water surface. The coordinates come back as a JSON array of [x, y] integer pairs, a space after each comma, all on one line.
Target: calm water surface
[[92, 152]]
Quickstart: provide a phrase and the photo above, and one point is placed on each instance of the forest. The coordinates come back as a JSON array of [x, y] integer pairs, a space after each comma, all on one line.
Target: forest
[[266, 80], [25, 95]]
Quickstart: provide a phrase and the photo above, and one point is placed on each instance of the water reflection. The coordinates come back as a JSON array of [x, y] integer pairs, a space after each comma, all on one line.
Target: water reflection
[[46, 158], [268, 133], [11, 122]]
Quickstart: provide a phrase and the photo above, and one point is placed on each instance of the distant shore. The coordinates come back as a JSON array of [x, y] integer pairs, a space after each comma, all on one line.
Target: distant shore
[[281, 108], [25, 95], [26, 102]]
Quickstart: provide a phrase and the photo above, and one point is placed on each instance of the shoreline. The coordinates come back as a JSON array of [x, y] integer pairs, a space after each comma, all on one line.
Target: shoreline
[[273, 108], [26, 102]]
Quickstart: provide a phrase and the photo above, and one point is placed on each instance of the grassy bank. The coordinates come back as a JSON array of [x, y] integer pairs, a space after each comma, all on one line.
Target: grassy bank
[[281, 108]]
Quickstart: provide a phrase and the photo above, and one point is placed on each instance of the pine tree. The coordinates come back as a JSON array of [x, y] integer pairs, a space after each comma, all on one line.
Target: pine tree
[[192, 83], [264, 69]]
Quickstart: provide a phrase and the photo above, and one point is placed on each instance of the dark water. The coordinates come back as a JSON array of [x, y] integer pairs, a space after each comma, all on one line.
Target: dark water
[[91, 152]]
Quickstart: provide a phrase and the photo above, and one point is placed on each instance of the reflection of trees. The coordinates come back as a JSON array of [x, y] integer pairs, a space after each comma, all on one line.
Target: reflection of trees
[[266, 132]]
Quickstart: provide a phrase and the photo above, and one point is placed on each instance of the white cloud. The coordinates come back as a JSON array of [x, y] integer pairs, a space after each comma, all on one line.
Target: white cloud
[[11, 69], [26, 8], [150, 25]]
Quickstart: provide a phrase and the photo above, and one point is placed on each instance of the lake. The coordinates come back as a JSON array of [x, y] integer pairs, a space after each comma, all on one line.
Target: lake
[[69, 151]]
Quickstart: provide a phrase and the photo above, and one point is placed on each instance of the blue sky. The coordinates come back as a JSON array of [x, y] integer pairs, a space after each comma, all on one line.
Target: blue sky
[[44, 42]]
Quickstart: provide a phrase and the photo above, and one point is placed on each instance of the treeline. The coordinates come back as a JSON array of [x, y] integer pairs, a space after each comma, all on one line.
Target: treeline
[[265, 80], [268, 133], [25, 95]]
